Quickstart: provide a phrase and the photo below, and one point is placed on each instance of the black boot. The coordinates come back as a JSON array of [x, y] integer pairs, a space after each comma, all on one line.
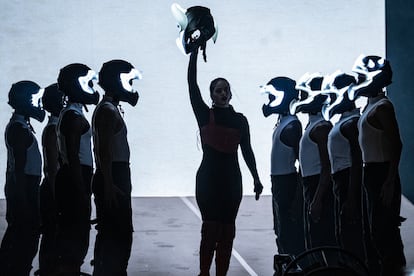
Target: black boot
[[209, 235], [224, 248]]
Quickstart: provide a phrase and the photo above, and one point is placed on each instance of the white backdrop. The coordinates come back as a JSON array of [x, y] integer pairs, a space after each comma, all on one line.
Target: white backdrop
[[258, 40]]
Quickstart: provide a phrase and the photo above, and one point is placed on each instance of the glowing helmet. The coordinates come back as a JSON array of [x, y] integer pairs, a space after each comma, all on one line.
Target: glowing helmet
[[196, 26], [25, 98], [281, 92], [310, 97], [336, 86], [75, 81], [53, 99], [374, 73], [116, 77]]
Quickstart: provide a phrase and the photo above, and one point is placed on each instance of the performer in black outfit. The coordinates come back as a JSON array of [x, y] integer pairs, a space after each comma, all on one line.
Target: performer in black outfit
[[381, 146], [73, 180], [287, 191], [218, 181], [111, 183], [53, 103], [222, 130], [24, 170]]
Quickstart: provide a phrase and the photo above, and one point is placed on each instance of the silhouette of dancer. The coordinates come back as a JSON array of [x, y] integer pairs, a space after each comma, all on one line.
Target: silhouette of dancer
[[346, 162], [73, 180], [111, 182], [287, 191], [222, 130], [23, 175], [52, 101], [314, 164], [218, 181], [381, 146]]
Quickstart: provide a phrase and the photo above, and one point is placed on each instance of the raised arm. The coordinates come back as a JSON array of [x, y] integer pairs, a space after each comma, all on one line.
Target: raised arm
[[200, 108], [250, 160]]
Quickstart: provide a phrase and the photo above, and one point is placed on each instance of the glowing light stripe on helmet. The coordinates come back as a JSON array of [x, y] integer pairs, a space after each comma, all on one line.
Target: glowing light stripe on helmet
[[182, 22], [360, 68], [270, 89], [328, 87], [37, 98], [127, 77], [179, 14], [303, 84], [84, 81]]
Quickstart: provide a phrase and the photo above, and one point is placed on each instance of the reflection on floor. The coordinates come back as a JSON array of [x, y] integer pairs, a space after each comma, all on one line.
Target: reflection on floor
[[167, 235]]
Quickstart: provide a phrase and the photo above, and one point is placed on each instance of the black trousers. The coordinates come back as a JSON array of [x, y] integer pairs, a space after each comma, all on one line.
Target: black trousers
[[21, 239], [73, 221], [349, 229], [287, 205], [320, 233], [48, 255], [114, 225], [385, 221]]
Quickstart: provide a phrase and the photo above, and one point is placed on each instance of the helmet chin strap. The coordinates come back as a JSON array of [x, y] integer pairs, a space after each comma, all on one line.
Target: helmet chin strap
[[279, 118], [203, 49], [121, 110], [30, 126]]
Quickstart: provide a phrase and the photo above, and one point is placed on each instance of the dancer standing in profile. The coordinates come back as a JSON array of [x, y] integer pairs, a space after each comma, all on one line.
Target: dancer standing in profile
[[53, 103], [315, 165], [287, 191], [346, 162], [112, 180], [73, 180], [23, 175], [381, 146]]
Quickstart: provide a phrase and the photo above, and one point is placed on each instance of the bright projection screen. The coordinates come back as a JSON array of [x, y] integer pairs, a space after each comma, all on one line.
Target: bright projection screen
[[257, 40]]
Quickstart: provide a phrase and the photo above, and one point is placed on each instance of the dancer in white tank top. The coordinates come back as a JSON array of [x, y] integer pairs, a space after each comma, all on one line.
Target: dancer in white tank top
[[346, 163], [287, 191], [315, 165], [381, 147]]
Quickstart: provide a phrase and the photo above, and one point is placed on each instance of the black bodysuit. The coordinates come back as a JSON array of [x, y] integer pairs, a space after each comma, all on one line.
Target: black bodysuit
[[218, 181]]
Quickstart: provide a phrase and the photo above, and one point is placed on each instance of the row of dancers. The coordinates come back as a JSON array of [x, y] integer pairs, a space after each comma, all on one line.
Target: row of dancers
[[60, 209], [347, 190], [348, 171]]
